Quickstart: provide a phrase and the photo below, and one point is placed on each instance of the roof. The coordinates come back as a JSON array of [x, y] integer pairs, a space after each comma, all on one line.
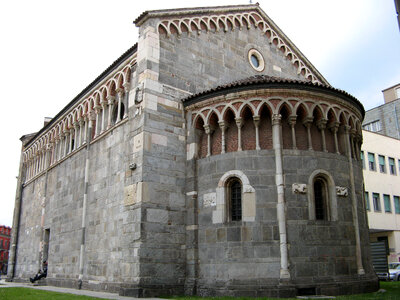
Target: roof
[[270, 82], [87, 89]]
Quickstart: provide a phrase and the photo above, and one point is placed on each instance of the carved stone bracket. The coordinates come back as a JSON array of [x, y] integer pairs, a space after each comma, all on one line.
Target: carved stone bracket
[[299, 188], [342, 191]]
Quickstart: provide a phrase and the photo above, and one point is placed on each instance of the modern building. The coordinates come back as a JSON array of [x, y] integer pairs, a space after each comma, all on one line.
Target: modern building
[[211, 158], [5, 237], [385, 119], [382, 189]]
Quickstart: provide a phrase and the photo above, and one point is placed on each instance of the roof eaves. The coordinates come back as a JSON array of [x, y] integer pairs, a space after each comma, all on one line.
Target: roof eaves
[[99, 78]]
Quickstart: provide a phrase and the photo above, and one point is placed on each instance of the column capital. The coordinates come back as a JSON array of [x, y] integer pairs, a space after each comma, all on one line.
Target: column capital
[[256, 120], [334, 126], [308, 121], [207, 129], [239, 122], [110, 99], [346, 128], [292, 120], [321, 124], [276, 119], [223, 125], [126, 86]]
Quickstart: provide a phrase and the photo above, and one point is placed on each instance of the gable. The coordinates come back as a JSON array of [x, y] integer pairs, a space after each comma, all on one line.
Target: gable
[[228, 19]]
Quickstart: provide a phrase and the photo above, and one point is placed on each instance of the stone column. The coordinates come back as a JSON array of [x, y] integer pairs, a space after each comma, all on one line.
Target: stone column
[[277, 145], [334, 128], [321, 124], [239, 124], [352, 142], [207, 129], [76, 138], [82, 130], [126, 99], [120, 95], [292, 123], [111, 100], [256, 120], [223, 127], [307, 123], [103, 116], [360, 267], [97, 129]]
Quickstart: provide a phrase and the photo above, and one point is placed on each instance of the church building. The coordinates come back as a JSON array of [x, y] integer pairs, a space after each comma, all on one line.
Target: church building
[[211, 158]]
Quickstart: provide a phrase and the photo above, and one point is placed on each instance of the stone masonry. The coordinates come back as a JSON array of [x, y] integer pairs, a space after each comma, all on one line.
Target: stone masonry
[[211, 158]]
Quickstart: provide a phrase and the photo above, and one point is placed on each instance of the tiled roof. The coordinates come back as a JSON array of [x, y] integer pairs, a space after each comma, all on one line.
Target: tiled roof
[[264, 81]]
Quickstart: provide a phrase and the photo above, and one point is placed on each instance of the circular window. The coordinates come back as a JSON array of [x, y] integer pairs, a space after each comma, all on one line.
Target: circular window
[[256, 60]]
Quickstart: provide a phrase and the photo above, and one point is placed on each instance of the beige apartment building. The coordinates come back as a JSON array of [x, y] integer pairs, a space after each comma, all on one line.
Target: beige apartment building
[[381, 163]]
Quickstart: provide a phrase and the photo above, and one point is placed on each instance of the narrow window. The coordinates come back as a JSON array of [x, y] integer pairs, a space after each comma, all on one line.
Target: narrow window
[[371, 161], [367, 201], [376, 201], [386, 200], [320, 199], [363, 159], [392, 166], [382, 168], [396, 200], [236, 200]]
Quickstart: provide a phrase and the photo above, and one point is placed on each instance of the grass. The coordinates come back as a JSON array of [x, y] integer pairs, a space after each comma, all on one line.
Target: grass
[[19, 293]]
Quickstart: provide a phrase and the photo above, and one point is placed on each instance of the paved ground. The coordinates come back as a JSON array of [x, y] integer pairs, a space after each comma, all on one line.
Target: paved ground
[[4, 284]]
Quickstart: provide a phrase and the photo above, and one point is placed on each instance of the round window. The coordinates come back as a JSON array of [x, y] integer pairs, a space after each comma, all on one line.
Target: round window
[[256, 60]]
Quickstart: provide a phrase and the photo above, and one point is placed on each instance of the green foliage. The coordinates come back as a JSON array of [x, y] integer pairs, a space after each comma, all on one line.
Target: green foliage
[[18, 293]]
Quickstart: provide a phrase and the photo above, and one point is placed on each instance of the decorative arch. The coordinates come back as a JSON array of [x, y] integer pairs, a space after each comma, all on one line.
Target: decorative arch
[[248, 196], [323, 177]]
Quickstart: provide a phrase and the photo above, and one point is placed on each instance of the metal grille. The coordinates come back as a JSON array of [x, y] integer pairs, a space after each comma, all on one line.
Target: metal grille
[[319, 200], [236, 201]]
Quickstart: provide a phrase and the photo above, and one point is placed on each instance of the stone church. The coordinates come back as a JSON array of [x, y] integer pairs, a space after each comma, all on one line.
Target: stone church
[[211, 158]]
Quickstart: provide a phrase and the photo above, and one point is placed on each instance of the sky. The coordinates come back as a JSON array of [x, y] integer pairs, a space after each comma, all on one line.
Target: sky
[[51, 50]]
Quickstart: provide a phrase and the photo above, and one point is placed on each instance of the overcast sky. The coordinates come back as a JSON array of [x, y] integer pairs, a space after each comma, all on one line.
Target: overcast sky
[[51, 50]]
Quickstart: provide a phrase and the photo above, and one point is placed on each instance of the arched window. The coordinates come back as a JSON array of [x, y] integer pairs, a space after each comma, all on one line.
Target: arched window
[[320, 199], [235, 193]]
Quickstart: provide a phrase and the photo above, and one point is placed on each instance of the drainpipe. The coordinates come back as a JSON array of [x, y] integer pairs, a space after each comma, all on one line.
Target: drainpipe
[[86, 184], [15, 226], [277, 144]]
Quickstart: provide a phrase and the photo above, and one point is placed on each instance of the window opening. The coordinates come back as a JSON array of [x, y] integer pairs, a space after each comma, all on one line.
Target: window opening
[[396, 200], [376, 201], [392, 166], [236, 201], [371, 161], [363, 159], [367, 201], [386, 200], [320, 199], [382, 168]]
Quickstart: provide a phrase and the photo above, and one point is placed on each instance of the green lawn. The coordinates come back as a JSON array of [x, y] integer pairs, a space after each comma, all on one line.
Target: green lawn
[[18, 293]]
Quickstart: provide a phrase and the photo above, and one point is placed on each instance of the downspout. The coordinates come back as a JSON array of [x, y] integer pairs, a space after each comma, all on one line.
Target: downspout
[[16, 219], [84, 205], [277, 144]]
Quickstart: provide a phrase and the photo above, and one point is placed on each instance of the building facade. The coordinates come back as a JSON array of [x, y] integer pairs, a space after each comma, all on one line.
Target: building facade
[[211, 158], [382, 189], [5, 237], [385, 119]]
